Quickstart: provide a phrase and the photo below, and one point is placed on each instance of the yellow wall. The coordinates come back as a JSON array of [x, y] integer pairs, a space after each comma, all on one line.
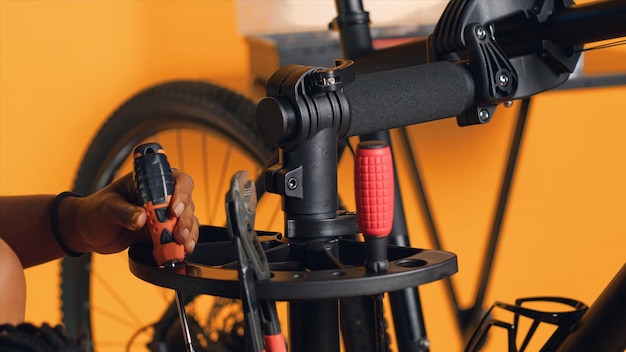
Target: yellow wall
[[65, 65]]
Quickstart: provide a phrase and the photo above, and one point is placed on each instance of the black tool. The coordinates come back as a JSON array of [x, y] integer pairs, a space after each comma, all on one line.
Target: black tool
[[260, 317]]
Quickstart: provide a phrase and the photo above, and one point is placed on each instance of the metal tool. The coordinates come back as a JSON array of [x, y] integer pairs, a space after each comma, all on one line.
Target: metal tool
[[260, 317]]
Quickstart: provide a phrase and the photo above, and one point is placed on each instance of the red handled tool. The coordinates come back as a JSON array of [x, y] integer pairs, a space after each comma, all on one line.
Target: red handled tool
[[374, 182], [155, 185]]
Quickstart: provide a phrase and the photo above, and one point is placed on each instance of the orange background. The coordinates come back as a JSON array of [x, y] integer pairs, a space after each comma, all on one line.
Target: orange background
[[65, 65]]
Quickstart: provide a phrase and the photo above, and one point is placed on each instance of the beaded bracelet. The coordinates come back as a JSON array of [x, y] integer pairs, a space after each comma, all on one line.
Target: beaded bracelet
[[54, 222]]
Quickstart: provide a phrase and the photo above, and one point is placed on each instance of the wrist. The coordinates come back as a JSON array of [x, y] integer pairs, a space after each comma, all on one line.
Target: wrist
[[63, 223]]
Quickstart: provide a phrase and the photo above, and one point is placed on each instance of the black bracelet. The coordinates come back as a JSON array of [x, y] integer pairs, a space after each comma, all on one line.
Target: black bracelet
[[54, 222]]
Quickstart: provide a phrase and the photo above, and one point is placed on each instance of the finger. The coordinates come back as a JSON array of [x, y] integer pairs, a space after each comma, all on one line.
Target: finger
[[181, 198], [190, 245], [186, 231], [113, 209]]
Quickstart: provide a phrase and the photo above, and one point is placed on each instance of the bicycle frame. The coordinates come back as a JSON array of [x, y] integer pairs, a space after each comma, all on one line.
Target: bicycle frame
[[451, 65]]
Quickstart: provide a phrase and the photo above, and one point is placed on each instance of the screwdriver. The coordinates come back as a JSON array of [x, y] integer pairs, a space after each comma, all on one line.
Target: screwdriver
[[374, 192], [155, 185]]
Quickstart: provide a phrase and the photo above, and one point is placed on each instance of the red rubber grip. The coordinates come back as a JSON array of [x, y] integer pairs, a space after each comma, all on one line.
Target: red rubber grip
[[374, 182]]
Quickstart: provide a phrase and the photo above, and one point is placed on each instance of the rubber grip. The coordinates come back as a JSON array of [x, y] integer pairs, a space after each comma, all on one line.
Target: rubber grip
[[374, 182], [405, 96], [155, 186]]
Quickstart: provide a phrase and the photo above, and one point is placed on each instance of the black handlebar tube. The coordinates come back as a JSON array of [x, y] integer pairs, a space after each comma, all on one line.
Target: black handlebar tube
[[566, 27], [292, 114], [571, 26]]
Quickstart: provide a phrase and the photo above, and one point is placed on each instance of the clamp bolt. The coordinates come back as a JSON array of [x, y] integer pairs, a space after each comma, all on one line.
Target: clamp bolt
[[481, 32], [503, 79], [292, 183], [483, 115], [328, 81]]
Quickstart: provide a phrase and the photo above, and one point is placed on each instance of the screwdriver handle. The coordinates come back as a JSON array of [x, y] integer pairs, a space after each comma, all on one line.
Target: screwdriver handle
[[155, 186], [374, 190]]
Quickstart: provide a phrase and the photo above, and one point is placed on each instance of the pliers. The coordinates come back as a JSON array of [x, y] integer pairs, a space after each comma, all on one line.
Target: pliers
[[262, 327]]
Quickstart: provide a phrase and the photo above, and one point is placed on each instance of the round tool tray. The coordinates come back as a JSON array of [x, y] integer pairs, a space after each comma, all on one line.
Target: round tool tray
[[212, 269]]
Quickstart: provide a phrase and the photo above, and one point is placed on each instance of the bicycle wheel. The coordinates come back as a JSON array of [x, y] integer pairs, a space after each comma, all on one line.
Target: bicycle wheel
[[209, 132]]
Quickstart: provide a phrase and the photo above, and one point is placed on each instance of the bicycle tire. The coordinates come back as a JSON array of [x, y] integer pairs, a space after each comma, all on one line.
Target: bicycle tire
[[172, 105]]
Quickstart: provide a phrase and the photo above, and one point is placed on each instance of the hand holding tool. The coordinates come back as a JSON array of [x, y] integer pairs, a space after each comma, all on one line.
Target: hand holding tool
[[155, 186]]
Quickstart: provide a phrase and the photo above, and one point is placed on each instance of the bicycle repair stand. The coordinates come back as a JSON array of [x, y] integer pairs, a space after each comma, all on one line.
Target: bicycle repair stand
[[312, 266], [306, 112]]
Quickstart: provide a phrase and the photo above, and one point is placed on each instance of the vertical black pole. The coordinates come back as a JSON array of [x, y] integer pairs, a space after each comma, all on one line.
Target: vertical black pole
[[316, 326], [310, 182], [473, 314], [353, 24]]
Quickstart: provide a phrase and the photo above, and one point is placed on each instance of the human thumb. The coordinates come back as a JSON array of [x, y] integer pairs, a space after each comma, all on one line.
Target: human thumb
[[133, 218]]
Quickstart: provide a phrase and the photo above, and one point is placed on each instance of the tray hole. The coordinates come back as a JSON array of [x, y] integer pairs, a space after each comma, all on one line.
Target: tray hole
[[410, 263]]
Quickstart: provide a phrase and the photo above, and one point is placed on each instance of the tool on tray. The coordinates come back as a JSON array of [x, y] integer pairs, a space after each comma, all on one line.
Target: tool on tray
[[262, 328]]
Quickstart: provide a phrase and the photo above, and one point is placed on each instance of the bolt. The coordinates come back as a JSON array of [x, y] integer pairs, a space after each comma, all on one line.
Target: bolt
[[508, 103], [503, 79], [481, 33], [327, 81], [483, 115], [292, 183], [424, 343]]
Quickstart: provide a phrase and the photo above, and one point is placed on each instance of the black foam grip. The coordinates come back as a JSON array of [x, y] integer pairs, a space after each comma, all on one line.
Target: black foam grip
[[406, 96]]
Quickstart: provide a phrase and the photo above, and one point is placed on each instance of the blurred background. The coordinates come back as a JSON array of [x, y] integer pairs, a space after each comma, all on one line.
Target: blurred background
[[66, 65]]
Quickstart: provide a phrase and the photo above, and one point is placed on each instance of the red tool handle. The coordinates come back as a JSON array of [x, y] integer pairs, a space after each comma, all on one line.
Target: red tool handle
[[155, 186], [374, 189], [374, 182]]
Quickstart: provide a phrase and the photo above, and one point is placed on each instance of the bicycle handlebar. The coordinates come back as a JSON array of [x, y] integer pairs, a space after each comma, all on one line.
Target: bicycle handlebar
[[406, 96], [402, 86]]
